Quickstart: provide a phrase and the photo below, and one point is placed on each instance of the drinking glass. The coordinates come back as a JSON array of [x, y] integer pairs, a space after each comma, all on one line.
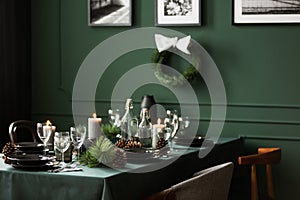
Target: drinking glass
[[44, 131], [172, 125], [114, 117], [62, 143], [78, 134], [184, 124]]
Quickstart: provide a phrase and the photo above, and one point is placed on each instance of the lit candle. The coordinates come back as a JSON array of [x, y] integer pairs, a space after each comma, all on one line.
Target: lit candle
[[156, 128], [50, 143], [94, 129], [47, 127]]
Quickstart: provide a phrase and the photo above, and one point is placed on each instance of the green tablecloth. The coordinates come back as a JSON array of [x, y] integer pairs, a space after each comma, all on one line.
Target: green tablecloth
[[106, 183]]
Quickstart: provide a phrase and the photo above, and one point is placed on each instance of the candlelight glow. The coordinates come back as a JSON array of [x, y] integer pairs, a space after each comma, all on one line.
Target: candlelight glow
[[48, 123], [94, 115]]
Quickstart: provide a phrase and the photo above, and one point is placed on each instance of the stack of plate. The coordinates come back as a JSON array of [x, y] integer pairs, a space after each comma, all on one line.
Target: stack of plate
[[31, 161], [29, 148], [29, 156]]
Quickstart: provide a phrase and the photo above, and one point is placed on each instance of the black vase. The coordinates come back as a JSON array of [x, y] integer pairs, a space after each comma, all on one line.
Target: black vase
[[147, 102]]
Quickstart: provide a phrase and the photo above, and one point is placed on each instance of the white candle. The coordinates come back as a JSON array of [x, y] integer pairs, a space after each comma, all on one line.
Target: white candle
[[47, 130], [94, 129], [53, 129], [156, 128], [51, 139], [47, 127]]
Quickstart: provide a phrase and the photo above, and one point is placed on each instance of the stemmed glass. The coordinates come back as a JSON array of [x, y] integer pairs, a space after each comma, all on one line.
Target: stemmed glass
[[44, 131], [78, 134], [184, 124], [114, 117], [172, 125], [62, 143]]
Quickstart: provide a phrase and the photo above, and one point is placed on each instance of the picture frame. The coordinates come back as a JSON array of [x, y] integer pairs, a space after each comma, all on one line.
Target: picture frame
[[265, 12], [109, 12], [178, 12]]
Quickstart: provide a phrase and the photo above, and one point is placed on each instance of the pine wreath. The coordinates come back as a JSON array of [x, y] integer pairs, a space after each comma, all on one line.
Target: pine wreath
[[159, 58]]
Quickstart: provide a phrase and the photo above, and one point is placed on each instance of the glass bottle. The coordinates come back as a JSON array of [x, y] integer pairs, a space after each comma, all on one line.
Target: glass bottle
[[144, 130], [127, 120]]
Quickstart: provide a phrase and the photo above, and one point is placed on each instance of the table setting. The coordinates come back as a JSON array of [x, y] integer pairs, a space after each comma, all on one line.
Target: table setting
[[100, 169], [152, 137]]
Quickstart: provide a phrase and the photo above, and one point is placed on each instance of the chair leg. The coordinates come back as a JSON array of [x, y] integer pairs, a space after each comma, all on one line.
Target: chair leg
[[254, 190], [270, 187]]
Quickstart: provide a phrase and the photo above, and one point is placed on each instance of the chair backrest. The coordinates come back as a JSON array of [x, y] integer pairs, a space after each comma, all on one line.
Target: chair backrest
[[264, 156], [212, 183], [22, 127]]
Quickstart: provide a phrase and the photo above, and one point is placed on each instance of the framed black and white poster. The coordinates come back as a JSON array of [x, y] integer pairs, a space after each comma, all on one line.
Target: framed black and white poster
[[109, 12], [178, 13], [266, 11]]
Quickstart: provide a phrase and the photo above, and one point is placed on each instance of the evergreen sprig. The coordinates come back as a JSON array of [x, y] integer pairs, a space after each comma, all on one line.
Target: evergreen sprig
[[88, 160], [110, 131]]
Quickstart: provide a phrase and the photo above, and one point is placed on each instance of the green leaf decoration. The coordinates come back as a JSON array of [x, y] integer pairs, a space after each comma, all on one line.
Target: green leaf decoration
[[88, 160], [103, 150], [110, 131]]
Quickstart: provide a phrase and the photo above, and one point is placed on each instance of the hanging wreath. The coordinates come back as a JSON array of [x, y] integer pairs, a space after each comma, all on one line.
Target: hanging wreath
[[159, 58]]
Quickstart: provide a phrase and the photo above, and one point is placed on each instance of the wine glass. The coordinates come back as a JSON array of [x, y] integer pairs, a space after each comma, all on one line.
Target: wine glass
[[78, 134], [184, 124], [44, 131], [172, 125], [114, 117], [62, 143]]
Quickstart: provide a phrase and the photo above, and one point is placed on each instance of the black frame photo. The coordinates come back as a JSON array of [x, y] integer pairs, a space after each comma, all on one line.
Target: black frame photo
[[178, 12], [265, 11], [109, 12]]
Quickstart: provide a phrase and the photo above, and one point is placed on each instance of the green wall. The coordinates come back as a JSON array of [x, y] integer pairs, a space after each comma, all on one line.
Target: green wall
[[259, 65]]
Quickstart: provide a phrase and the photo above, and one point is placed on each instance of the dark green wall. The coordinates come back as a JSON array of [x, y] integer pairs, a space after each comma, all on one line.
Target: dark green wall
[[259, 65]]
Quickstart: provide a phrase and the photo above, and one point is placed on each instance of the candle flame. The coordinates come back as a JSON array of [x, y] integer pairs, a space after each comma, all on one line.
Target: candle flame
[[158, 121], [48, 123], [94, 115]]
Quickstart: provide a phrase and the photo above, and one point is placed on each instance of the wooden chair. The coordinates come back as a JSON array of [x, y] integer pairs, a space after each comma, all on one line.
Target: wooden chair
[[21, 127], [212, 183], [265, 156]]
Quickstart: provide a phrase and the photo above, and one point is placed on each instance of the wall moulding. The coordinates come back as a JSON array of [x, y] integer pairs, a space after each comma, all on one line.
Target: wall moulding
[[261, 113]]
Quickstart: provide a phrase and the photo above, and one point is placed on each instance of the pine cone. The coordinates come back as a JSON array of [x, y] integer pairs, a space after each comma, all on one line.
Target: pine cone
[[7, 150], [130, 144], [121, 143], [120, 158], [161, 143]]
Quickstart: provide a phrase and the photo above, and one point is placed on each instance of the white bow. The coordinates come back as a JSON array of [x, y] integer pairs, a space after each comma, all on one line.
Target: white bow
[[164, 43]]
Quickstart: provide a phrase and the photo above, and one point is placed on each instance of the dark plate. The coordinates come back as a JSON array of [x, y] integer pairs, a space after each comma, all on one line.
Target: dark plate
[[29, 147], [42, 167], [29, 159], [192, 142]]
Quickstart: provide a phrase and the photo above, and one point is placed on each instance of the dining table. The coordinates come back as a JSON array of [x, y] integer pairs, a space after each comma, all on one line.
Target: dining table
[[136, 180]]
